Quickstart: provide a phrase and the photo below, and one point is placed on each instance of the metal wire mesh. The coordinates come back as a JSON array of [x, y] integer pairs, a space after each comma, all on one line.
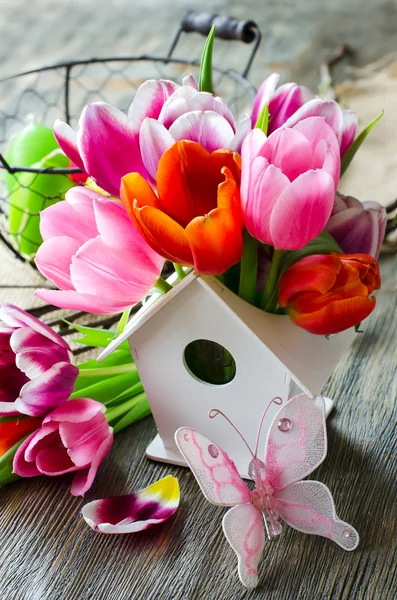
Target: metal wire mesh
[[62, 92]]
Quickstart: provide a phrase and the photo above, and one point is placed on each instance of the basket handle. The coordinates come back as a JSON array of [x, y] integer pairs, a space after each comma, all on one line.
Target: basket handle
[[226, 28]]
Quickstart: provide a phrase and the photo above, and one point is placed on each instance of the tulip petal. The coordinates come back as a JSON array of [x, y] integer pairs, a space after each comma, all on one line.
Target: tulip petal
[[84, 479], [243, 129], [190, 80], [109, 146], [186, 99], [285, 102], [349, 129], [268, 182], [263, 96], [164, 235], [289, 151], [321, 138], [154, 140], [53, 260], [54, 461], [48, 390], [20, 465], [335, 317], [134, 512], [43, 436], [187, 180], [327, 110], [149, 100], [82, 440], [16, 317], [360, 228], [209, 129], [251, 148], [98, 270], [67, 140], [35, 354], [119, 234], [75, 214], [216, 239], [82, 409], [87, 302], [316, 273], [308, 202]]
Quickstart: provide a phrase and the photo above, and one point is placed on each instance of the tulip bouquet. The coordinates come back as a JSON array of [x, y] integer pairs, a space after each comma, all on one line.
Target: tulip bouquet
[[253, 201]]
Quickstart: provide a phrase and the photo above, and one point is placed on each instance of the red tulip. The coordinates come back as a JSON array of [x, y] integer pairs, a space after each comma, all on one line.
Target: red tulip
[[328, 293], [196, 218]]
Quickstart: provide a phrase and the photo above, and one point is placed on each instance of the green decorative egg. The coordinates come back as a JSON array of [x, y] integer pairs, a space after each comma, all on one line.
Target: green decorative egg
[[27, 147], [32, 193]]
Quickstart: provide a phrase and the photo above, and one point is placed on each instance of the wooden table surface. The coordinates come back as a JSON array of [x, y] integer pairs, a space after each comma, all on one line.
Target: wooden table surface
[[47, 552]]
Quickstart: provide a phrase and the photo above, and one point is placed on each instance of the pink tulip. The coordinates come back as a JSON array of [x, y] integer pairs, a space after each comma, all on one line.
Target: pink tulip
[[291, 103], [190, 115], [358, 227], [35, 370], [94, 254], [288, 183], [106, 145], [73, 437]]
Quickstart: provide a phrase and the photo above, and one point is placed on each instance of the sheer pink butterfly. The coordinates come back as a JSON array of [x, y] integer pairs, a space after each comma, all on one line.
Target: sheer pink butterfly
[[296, 445]]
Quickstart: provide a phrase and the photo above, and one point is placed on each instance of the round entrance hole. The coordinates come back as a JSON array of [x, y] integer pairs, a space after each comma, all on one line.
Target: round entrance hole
[[209, 362]]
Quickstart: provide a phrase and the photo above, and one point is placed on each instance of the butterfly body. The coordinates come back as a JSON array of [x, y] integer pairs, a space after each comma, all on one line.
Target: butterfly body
[[295, 446]]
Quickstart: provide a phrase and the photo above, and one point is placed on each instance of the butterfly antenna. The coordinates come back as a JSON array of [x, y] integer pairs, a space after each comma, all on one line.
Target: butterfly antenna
[[215, 412], [276, 400]]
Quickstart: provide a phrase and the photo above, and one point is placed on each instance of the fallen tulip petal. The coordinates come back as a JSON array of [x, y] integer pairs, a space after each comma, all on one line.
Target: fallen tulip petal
[[134, 512]]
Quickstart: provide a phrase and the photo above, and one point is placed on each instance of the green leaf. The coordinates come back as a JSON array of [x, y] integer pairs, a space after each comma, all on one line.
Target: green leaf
[[205, 83], [115, 359], [127, 394], [104, 390], [350, 153], [322, 244], [141, 410], [99, 338], [263, 119]]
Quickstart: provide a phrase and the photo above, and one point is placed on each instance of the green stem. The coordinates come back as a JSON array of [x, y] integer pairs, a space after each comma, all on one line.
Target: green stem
[[249, 268], [269, 299], [116, 412], [117, 370], [162, 285], [179, 271]]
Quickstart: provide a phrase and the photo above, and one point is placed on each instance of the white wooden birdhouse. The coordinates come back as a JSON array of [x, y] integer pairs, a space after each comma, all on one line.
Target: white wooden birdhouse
[[265, 355]]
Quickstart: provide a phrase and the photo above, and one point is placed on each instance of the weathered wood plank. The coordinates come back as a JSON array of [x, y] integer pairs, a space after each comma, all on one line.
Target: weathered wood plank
[[48, 553]]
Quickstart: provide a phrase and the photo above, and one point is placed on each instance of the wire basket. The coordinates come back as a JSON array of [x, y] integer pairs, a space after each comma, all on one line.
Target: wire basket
[[62, 91]]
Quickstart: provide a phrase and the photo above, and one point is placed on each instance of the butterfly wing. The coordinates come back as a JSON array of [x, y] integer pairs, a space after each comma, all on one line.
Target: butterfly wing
[[243, 528], [215, 472], [296, 442], [308, 506]]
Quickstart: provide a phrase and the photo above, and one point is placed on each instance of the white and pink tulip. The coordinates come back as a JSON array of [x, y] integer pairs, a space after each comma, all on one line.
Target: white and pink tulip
[[291, 103], [75, 437], [36, 374]]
